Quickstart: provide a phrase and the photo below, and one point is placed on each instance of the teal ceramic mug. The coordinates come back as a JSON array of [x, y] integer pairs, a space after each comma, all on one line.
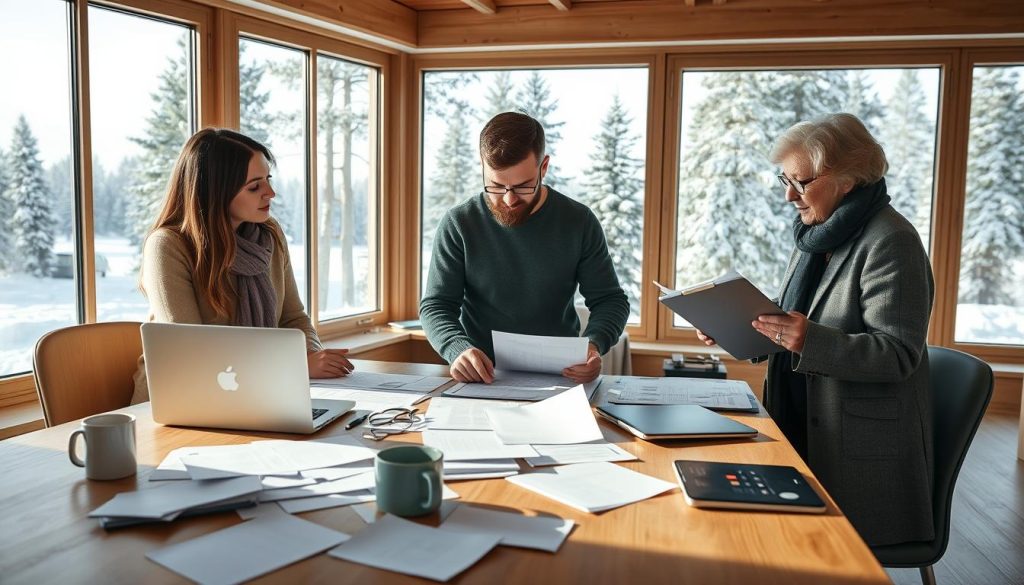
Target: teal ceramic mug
[[409, 480]]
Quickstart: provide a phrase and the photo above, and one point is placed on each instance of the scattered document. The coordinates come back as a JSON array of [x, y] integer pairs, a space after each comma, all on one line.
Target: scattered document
[[526, 386], [559, 420], [171, 468], [247, 550], [592, 487], [368, 511], [582, 453], [332, 473], [300, 505], [715, 394], [276, 482], [250, 512], [538, 353], [486, 469], [462, 414], [363, 481], [539, 532], [462, 445], [394, 544], [379, 381], [274, 457], [369, 400], [164, 500]]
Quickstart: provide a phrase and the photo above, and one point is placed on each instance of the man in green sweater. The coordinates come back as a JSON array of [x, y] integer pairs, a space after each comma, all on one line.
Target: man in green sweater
[[510, 259]]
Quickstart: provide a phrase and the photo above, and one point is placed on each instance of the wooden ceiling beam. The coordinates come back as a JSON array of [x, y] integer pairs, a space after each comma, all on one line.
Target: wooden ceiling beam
[[482, 6], [563, 5], [382, 18]]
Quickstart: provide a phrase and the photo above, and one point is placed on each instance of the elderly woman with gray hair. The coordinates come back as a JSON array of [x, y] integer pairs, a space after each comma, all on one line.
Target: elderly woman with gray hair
[[851, 392]]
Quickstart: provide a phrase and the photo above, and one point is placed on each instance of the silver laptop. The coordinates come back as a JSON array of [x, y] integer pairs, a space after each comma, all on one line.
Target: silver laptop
[[249, 378]]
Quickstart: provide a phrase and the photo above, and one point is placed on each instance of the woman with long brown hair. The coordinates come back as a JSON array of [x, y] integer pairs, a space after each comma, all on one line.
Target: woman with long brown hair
[[215, 256]]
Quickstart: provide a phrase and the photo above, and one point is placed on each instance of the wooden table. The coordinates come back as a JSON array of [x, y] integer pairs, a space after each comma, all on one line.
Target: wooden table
[[45, 535]]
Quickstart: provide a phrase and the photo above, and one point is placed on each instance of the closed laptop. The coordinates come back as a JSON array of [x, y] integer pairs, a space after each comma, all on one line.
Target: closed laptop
[[673, 421]]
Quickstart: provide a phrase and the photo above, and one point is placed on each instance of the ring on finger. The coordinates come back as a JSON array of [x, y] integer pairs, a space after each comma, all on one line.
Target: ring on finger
[[778, 337]]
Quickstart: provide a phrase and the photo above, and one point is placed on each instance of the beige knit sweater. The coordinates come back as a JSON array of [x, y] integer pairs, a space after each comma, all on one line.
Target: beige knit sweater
[[168, 282]]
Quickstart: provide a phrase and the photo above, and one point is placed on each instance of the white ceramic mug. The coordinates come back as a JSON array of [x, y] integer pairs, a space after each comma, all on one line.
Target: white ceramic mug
[[109, 446]]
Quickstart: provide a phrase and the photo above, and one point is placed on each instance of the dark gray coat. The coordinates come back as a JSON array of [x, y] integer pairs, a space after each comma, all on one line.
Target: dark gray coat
[[869, 432]]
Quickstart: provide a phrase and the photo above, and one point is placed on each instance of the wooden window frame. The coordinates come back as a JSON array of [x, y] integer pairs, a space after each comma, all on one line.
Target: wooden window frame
[[546, 59]]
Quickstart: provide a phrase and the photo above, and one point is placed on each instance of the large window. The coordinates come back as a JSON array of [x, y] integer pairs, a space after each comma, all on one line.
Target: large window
[[273, 110], [731, 211], [138, 129], [38, 257], [990, 304], [595, 122], [348, 270]]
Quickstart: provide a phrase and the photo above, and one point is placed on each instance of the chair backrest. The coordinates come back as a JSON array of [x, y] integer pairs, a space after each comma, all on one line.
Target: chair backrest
[[961, 387], [86, 369]]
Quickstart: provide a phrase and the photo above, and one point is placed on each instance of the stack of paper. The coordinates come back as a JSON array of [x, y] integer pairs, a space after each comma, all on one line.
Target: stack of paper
[[483, 469], [247, 550], [169, 501], [273, 458], [710, 393], [398, 545], [592, 487], [528, 386]]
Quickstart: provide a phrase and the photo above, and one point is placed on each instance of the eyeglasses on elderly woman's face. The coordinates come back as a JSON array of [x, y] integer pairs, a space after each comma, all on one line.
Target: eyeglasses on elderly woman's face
[[798, 186]]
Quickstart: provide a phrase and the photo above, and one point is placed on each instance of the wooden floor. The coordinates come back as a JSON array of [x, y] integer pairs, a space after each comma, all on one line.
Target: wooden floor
[[986, 542]]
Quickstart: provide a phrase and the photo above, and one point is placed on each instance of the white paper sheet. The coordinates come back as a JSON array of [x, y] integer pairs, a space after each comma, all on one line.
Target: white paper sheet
[[163, 500], [538, 532], [276, 482], [463, 445], [368, 511], [582, 453], [332, 473], [470, 466], [709, 393], [273, 458], [363, 481], [323, 502], [462, 414], [560, 420], [537, 353], [171, 468], [247, 550], [527, 386], [379, 381], [592, 487], [370, 400], [259, 510], [394, 544]]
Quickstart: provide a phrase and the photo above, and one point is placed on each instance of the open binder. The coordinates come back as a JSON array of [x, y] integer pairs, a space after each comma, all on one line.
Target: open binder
[[723, 309]]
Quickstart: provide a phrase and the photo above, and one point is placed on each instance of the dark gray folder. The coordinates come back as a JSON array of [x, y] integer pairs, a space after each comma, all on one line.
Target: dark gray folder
[[723, 309], [673, 421]]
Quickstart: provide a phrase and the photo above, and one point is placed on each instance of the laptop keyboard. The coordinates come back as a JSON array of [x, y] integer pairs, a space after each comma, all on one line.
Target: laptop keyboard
[[318, 412]]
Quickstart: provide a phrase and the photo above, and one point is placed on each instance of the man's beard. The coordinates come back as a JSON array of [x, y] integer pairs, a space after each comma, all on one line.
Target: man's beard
[[512, 216]]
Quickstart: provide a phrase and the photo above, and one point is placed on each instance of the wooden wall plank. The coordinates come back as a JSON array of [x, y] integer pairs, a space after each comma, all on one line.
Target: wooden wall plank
[[658, 20], [383, 18]]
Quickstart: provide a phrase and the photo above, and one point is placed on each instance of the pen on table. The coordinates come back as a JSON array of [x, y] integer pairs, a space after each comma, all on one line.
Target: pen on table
[[356, 421]]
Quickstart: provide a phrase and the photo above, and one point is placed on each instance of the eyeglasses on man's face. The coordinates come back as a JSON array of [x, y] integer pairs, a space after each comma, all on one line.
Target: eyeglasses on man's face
[[798, 186], [518, 191]]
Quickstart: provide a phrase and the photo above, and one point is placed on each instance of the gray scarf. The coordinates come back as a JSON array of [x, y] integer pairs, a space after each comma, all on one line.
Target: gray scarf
[[257, 299]]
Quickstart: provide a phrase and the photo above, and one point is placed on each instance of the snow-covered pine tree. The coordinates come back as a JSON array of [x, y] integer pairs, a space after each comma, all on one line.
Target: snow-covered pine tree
[[993, 237], [167, 129], [61, 183], [535, 99], [731, 211], [500, 96], [6, 213], [862, 100], [456, 173], [32, 223], [797, 96], [908, 137], [614, 191]]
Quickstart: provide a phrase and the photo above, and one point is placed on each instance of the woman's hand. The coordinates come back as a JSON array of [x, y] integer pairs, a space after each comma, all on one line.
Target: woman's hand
[[329, 363], [707, 340], [588, 370], [786, 330]]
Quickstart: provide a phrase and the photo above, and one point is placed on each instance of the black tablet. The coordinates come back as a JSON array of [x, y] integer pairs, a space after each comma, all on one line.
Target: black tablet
[[746, 487]]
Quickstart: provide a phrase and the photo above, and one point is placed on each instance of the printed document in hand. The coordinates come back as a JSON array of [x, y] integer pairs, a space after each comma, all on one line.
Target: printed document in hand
[[379, 381], [592, 487], [463, 445], [710, 393], [459, 414], [559, 420], [394, 544], [526, 386], [164, 500], [537, 353], [247, 550], [582, 453], [539, 532]]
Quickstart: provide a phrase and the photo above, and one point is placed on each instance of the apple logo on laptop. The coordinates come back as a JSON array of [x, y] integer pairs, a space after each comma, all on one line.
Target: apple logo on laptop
[[226, 380]]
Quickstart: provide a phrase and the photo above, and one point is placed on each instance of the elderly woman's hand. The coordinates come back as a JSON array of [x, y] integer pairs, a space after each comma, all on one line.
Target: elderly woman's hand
[[786, 330]]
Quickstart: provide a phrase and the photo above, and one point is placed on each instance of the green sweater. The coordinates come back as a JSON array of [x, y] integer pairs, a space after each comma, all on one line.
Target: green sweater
[[487, 277]]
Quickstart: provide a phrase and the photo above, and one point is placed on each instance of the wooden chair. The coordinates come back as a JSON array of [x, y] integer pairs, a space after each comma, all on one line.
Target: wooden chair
[[86, 369]]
